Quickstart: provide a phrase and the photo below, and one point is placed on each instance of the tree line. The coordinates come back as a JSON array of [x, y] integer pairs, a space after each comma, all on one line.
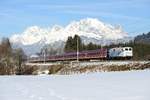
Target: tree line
[[140, 45], [10, 59], [141, 49], [71, 44]]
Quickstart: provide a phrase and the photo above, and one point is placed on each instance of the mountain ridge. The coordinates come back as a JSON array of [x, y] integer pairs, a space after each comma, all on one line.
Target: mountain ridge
[[89, 28]]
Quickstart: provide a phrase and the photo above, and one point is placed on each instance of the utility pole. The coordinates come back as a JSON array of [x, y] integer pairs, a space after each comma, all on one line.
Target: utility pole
[[44, 54], [77, 49]]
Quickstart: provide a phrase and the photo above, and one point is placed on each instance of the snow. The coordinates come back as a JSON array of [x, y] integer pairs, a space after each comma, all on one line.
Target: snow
[[91, 63], [110, 63], [88, 27], [33, 38], [133, 85]]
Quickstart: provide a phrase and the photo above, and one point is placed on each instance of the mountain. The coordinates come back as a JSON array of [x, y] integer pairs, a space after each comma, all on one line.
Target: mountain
[[144, 38], [90, 30]]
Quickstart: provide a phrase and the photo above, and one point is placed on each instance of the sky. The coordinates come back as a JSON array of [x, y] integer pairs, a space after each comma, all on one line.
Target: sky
[[17, 15]]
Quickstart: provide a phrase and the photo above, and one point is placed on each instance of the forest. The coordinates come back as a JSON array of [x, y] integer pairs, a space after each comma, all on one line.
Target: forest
[[10, 59]]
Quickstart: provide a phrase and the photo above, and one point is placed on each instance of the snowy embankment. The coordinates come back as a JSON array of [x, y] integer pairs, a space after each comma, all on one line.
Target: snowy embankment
[[132, 85], [73, 67]]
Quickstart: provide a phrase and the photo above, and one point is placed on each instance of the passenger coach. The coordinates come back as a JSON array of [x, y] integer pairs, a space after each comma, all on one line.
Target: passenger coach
[[99, 54]]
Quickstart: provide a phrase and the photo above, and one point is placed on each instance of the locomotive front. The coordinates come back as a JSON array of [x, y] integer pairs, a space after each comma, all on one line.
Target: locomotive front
[[121, 53]]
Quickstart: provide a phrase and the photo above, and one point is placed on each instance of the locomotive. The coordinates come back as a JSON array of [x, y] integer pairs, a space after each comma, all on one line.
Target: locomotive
[[99, 54]]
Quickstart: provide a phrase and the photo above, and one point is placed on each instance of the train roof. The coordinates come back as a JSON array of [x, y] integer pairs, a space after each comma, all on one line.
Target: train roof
[[120, 47], [86, 51]]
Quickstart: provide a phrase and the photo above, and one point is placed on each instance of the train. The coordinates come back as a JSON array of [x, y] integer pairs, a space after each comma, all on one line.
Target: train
[[98, 54]]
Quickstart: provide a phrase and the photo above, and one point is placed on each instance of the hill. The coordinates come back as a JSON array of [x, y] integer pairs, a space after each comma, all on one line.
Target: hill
[[144, 38]]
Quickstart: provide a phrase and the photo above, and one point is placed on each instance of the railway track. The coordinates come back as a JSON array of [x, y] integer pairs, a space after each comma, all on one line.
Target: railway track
[[88, 63]]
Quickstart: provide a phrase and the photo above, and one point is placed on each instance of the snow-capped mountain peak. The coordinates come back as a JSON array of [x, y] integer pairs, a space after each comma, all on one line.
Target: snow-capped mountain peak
[[30, 36], [88, 27]]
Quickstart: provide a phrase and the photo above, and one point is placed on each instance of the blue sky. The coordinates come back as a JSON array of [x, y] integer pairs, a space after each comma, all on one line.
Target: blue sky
[[17, 15]]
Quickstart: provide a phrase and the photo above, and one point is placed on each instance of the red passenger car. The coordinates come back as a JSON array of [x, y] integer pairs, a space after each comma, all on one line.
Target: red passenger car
[[83, 55]]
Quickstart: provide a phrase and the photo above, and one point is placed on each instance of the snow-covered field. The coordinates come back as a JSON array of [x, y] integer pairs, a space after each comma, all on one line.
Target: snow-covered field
[[133, 85]]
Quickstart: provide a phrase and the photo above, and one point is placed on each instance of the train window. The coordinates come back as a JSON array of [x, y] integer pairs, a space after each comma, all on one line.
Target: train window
[[126, 49], [130, 49]]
